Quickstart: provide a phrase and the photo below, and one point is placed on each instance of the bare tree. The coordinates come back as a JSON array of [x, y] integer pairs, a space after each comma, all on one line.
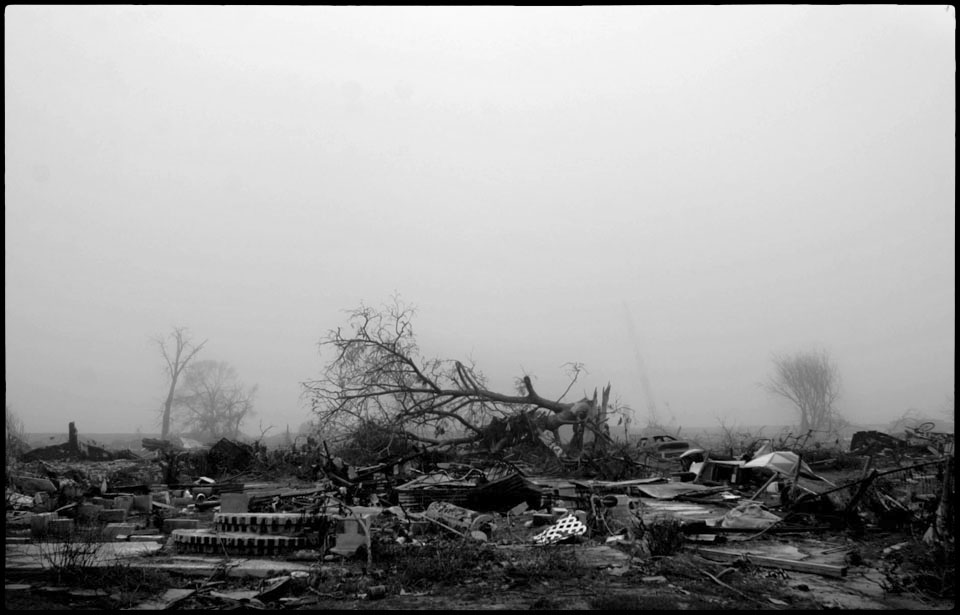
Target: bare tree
[[177, 356], [213, 402], [811, 382], [376, 374], [16, 441]]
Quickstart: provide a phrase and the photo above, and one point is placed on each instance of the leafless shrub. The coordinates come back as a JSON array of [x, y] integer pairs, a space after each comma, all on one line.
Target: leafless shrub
[[73, 556]]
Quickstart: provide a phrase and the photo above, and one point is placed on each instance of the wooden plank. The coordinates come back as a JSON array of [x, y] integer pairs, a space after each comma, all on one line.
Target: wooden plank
[[828, 570]]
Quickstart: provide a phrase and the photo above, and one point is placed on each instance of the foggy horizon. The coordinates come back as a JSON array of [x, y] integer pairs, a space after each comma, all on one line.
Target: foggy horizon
[[671, 195]]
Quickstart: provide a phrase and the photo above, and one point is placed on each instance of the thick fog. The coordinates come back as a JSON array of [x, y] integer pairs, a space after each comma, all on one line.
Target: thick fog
[[669, 196]]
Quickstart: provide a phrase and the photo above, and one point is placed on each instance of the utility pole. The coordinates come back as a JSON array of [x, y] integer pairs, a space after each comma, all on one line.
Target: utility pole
[[644, 381]]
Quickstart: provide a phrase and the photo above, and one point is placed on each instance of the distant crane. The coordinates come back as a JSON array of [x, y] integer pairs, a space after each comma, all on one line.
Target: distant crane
[[644, 381]]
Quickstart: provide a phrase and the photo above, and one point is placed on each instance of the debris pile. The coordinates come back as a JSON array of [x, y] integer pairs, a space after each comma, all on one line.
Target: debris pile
[[666, 497]]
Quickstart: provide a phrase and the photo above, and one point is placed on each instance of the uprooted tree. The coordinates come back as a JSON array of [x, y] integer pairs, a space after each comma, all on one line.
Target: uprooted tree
[[376, 375]]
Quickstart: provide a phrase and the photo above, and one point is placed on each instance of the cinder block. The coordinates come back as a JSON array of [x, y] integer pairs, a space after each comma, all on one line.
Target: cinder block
[[113, 515], [180, 524], [235, 502], [112, 530]]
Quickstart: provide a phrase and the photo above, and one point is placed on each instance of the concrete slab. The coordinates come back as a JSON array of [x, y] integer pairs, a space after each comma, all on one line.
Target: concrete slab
[[27, 557], [180, 524], [114, 530], [36, 556]]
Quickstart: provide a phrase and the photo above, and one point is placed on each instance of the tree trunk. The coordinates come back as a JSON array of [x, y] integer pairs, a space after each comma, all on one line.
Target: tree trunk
[[72, 441], [167, 406]]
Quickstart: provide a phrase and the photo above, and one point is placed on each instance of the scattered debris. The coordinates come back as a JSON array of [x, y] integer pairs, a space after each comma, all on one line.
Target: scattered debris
[[210, 501]]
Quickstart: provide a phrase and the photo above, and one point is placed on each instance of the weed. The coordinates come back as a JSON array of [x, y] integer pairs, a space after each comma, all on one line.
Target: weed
[[927, 571], [444, 561], [73, 557], [551, 561], [617, 602], [128, 585], [663, 536], [546, 603]]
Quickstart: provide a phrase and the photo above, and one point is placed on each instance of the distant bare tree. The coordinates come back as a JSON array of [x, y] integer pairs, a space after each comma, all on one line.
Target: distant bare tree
[[811, 382], [213, 402], [177, 356], [16, 442]]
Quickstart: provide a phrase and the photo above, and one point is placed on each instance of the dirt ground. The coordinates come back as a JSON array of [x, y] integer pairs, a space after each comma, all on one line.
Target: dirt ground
[[501, 577]]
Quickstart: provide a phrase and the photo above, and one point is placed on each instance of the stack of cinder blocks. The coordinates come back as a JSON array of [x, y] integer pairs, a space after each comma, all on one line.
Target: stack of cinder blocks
[[239, 532]]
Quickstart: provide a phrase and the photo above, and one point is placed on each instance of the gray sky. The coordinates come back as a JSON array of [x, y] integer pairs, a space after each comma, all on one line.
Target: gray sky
[[735, 181]]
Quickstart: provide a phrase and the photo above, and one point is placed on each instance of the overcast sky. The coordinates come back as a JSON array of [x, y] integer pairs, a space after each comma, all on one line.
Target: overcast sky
[[673, 194]]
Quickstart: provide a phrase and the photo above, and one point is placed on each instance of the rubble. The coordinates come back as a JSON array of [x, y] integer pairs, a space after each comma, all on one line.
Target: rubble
[[720, 509]]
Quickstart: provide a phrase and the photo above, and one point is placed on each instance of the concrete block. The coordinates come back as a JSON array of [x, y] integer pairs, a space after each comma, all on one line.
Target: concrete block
[[89, 513], [543, 519], [163, 497], [42, 502], [60, 527], [143, 503], [180, 524], [112, 530], [29, 485], [146, 538], [349, 537], [181, 502], [113, 515], [235, 502], [39, 524], [123, 501]]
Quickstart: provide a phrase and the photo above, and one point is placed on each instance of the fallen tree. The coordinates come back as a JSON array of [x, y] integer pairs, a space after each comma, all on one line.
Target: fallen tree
[[376, 374]]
